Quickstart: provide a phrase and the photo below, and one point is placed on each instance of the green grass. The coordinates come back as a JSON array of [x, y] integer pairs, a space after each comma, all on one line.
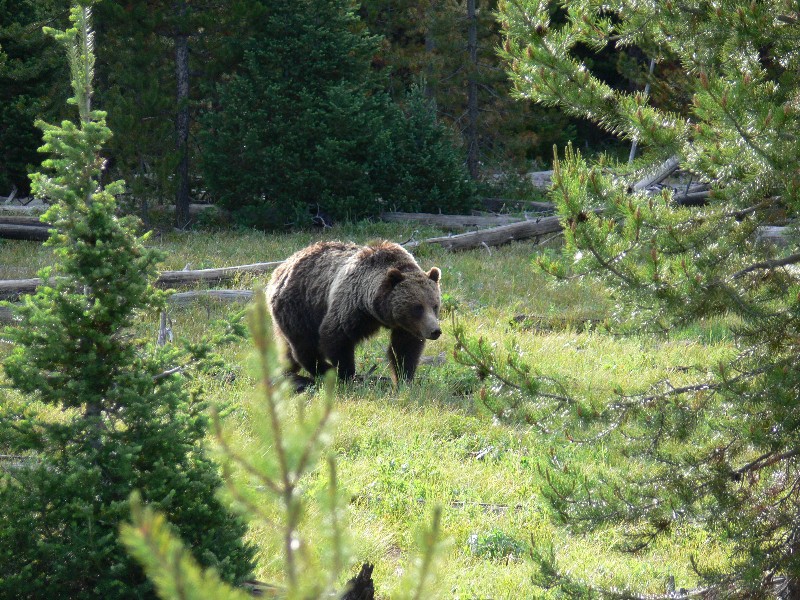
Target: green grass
[[402, 452]]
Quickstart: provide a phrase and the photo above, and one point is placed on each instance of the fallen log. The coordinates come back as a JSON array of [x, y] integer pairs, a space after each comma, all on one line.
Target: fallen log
[[495, 236], [37, 205], [497, 204], [12, 289], [168, 278], [33, 206], [450, 221], [772, 234], [10, 197], [21, 220], [37, 233], [657, 175], [183, 298]]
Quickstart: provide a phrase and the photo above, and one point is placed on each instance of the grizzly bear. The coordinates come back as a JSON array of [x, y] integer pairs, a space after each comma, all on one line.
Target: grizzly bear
[[330, 296]]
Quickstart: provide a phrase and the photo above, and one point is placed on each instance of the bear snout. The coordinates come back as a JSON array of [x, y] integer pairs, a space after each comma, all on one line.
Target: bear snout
[[434, 335]]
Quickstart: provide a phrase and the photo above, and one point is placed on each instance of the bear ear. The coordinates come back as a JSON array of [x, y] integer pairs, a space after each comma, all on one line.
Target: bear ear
[[394, 276], [435, 274]]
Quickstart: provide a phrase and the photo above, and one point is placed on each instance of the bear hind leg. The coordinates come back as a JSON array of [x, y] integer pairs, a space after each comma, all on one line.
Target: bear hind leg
[[310, 359]]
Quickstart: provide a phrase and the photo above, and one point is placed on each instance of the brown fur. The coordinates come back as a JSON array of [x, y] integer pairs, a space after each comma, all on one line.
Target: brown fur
[[330, 296]]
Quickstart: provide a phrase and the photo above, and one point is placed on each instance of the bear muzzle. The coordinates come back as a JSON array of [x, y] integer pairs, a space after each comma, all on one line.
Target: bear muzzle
[[435, 334]]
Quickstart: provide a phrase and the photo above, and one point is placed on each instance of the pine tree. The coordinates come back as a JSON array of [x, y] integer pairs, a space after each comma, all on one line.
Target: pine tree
[[722, 450], [306, 123], [137, 85], [102, 414]]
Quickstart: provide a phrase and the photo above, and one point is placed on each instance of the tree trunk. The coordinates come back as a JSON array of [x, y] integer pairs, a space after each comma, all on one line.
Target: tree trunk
[[472, 91], [430, 46], [182, 120]]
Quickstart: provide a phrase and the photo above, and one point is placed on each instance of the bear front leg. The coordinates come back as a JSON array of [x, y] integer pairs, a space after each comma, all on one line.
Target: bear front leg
[[342, 354], [339, 349], [404, 353]]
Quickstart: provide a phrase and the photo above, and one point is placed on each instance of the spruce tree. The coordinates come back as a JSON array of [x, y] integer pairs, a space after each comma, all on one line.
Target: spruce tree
[[306, 123], [721, 450], [99, 413]]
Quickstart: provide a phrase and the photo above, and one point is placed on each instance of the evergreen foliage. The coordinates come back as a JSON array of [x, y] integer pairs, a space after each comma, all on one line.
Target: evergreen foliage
[[427, 41], [416, 166], [720, 448], [30, 88], [306, 124], [103, 415], [137, 82], [136, 87]]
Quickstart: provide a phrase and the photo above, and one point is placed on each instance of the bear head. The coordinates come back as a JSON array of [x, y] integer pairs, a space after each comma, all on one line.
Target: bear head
[[414, 302]]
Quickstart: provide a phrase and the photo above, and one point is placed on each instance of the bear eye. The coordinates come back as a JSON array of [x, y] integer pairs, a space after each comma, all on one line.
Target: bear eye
[[436, 308], [419, 310]]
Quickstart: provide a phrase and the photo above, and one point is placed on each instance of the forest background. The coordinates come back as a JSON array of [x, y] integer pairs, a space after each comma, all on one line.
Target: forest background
[[389, 105]]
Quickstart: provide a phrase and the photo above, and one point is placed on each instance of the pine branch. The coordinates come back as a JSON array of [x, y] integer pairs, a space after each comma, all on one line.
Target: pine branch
[[768, 264], [169, 565], [765, 460]]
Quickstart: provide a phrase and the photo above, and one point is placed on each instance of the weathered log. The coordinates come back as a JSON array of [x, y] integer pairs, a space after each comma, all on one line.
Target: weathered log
[[38, 205], [772, 234], [36, 233], [11, 289], [657, 175], [450, 221], [496, 204], [32, 206], [182, 298], [495, 236], [10, 197], [168, 278], [21, 220]]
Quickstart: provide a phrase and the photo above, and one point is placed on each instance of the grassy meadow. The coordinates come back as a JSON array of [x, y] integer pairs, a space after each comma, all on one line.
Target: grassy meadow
[[400, 452]]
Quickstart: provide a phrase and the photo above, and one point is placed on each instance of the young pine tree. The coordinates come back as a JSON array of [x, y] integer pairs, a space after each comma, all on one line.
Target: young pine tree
[[98, 414], [722, 450]]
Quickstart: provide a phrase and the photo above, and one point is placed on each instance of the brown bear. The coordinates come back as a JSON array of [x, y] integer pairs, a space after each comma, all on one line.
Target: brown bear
[[330, 296]]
